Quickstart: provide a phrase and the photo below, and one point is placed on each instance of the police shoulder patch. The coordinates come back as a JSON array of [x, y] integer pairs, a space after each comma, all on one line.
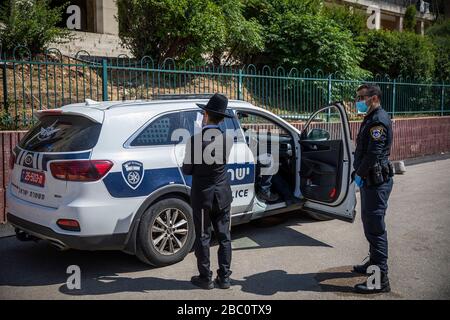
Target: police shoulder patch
[[376, 132]]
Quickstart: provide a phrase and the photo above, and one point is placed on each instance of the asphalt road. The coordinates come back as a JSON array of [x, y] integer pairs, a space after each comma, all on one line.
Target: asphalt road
[[285, 257]]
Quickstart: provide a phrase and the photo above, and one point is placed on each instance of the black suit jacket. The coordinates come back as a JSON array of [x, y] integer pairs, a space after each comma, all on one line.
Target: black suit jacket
[[209, 180]]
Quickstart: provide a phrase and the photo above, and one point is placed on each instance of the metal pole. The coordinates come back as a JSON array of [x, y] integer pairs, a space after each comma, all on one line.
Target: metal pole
[[5, 88], [240, 85], [329, 98], [442, 98], [105, 79], [393, 98]]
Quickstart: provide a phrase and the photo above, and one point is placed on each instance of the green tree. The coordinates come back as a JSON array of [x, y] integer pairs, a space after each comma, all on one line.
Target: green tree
[[348, 18], [409, 21], [242, 36], [439, 34], [32, 24], [397, 54], [185, 29], [300, 34]]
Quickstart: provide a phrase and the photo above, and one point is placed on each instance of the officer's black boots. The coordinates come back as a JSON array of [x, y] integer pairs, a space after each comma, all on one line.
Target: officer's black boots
[[201, 282], [384, 286], [223, 283], [361, 268]]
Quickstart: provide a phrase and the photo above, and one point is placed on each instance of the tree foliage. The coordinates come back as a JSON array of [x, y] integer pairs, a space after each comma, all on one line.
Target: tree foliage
[[186, 28], [409, 21], [397, 54], [440, 36], [30, 23], [301, 34], [347, 18]]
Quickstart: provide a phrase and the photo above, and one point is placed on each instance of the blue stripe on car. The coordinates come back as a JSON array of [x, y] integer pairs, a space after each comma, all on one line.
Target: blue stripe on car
[[153, 180], [243, 173]]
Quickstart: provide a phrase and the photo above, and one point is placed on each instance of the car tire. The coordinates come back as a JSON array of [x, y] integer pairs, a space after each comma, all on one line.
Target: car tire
[[166, 232]]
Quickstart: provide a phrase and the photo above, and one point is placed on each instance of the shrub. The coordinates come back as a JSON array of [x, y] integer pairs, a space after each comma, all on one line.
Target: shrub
[[30, 23], [397, 54], [440, 36]]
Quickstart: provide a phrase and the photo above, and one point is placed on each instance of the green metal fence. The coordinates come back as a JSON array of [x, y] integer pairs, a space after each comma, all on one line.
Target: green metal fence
[[50, 80]]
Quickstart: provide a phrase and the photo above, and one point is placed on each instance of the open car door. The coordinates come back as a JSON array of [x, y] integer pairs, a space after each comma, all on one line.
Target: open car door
[[326, 164]]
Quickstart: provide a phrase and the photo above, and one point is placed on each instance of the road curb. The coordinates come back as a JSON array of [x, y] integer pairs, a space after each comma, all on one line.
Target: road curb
[[429, 158], [6, 230]]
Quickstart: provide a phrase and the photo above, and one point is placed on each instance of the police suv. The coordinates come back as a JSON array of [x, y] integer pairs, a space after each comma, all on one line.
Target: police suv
[[106, 175]]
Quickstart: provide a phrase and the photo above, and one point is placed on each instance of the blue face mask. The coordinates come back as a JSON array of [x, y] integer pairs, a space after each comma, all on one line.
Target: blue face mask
[[361, 106]]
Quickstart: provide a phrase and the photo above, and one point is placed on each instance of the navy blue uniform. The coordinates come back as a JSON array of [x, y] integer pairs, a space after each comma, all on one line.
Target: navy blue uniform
[[373, 146]]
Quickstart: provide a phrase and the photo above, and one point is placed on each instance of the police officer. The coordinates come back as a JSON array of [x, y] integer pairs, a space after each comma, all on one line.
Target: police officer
[[373, 173], [211, 192]]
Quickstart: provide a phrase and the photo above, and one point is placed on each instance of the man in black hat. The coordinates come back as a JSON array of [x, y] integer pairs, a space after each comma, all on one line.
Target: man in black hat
[[211, 192]]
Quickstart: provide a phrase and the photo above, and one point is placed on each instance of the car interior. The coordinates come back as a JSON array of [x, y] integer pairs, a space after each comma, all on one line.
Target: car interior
[[322, 157], [258, 129]]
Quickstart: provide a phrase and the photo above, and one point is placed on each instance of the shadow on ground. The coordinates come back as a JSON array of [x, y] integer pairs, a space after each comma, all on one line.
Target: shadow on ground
[[37, 264]]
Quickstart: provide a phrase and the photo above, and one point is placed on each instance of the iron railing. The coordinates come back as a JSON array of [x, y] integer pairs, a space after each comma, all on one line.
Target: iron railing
[[51, 80]]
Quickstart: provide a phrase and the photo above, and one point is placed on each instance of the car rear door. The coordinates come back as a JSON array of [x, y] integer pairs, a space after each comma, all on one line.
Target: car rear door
[[326, 164], [56, 137]]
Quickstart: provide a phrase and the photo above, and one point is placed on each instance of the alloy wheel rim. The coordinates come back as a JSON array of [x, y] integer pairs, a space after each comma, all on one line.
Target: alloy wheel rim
[[169, 231]]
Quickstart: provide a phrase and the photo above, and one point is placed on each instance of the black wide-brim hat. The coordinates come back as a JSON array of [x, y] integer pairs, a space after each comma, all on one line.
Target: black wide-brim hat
[[217, 104]]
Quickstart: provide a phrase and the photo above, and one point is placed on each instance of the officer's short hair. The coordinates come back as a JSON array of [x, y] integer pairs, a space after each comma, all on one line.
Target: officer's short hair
[[371, 90]]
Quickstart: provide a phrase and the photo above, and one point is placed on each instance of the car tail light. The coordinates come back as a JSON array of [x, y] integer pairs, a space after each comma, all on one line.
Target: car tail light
[[80, 170], [12, 160], [68, 224]]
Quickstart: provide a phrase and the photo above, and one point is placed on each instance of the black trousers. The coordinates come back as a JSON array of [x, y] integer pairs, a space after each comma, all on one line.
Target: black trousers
[[204, 222], [374, 202]]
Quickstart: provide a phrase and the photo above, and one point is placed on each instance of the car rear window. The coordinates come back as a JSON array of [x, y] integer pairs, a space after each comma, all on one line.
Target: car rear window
[[62, 133]]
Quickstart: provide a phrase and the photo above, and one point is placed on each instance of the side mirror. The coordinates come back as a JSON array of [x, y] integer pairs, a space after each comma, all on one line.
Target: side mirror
[[318, 134]]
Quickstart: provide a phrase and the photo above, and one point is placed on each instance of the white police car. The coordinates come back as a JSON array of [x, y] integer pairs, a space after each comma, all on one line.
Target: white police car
[[106, 175]]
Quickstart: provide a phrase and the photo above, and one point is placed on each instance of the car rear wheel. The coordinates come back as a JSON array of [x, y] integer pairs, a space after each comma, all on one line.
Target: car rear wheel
[[166, 232]]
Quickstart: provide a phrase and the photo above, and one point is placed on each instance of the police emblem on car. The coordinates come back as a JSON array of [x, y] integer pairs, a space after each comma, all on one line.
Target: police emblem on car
[[133, 173], [28, 159]]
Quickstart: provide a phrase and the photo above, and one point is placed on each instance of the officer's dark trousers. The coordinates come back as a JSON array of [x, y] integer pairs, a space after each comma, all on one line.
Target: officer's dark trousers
[[374, 202], [220, 220]]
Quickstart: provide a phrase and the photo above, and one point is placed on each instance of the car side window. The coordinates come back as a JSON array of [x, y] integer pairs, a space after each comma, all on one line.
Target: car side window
[[189, 117], [159, 131]]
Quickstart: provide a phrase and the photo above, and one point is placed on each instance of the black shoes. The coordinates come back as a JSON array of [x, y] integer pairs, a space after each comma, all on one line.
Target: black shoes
[[384, 286], [207, 284], [201, 282], [223, 283], [267, 196], [362, 268]]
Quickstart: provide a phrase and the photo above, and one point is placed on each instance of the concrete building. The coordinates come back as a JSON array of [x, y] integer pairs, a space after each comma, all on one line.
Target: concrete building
[[94, 26], [389, 14]]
